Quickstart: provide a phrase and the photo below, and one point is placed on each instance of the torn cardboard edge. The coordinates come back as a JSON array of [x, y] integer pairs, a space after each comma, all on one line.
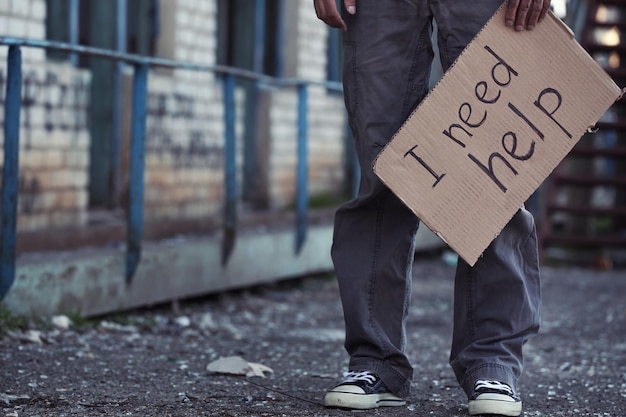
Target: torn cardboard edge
[[410, 182]]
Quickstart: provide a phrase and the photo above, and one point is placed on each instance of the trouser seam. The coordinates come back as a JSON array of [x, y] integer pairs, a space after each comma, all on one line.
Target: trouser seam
[[532, 231], [470, 305], [374, 274], [407, 99], [351, 99]]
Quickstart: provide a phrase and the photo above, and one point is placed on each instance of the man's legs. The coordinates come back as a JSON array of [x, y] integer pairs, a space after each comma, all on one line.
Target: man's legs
[[387, 55], [386, 70], [497, 301], [497, 306]]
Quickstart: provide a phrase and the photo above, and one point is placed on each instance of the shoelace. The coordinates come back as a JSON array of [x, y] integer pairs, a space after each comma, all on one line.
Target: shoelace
[[353, 376], [493, 385]]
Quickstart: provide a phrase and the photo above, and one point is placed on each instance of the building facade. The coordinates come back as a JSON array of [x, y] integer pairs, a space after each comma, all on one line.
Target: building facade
[[75, 128]]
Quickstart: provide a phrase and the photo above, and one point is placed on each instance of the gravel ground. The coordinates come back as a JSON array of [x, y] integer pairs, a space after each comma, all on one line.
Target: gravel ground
[[153, 362]]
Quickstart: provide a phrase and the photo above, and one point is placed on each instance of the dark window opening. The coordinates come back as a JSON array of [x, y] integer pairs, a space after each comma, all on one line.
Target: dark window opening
[[237, 40], [142, 29], [98, 24]]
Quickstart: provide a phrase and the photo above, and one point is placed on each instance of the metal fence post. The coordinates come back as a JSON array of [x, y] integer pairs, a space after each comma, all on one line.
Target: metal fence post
[[250, 150], [74, 28], [116, 139], [302, 169], [137, 163], [230, 169], [10, 180]]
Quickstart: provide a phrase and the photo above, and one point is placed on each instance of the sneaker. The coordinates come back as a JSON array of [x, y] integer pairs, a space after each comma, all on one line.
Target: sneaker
[[493, 397], [361, 391]]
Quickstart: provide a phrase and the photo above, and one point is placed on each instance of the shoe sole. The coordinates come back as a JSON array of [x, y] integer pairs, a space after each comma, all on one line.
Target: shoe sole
[[361, 401], [497, 407]]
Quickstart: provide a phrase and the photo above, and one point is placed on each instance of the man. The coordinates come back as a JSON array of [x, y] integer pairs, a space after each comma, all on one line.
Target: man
[[387, 59]]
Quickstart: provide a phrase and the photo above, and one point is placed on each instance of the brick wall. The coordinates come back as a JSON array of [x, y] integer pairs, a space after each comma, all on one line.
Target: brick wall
[[325, 145], [326, 119], [54, 140], [185, 128], [184, 177], [185, 146]]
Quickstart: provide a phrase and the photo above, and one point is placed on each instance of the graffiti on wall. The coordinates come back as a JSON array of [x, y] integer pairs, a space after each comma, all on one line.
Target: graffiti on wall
[[51, 104], [30, 192], [192, 147], [64, 104], [66, 108]]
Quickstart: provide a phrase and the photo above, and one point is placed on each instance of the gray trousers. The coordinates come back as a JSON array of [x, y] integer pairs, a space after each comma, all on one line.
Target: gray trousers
[[387, 59]]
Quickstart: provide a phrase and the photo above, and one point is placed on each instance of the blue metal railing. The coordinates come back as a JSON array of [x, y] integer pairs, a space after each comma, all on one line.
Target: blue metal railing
[[12, 107], [142, 66], [137, 165]]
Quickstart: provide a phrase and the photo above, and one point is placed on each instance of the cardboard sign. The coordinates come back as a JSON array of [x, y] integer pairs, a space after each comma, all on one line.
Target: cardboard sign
[[494, 127]]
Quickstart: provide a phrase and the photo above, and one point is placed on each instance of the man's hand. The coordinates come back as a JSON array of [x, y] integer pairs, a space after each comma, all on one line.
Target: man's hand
[[525, 14], [326, 10]]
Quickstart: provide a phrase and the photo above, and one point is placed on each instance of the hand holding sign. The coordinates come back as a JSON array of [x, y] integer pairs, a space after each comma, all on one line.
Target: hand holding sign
[[496, 125], [526, 13]]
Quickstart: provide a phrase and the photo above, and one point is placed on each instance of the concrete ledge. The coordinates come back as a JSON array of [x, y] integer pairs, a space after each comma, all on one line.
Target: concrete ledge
[[91, 281]]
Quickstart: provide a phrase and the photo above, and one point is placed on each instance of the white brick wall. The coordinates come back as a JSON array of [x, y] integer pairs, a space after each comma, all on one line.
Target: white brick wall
[[54, 153], [184, 147], [185, 142], [24, 19], [38, 10], [312, 40], [326, 121]]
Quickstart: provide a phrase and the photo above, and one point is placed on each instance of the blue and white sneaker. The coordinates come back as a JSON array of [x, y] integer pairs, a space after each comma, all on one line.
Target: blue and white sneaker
[[361, 391], [494, 397]]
